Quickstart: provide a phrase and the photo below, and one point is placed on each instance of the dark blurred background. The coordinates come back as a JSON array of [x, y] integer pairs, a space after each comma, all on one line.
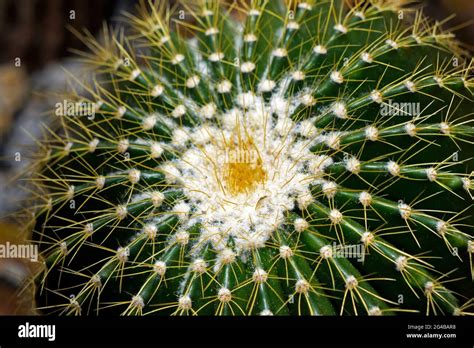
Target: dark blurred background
[[35, 45], [34, 29]]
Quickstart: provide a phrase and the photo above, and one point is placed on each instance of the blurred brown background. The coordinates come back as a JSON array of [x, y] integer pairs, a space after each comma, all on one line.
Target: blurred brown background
[[34, 31]]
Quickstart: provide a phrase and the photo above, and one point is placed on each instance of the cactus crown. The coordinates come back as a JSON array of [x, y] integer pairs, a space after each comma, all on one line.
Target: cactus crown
[[296, 162]]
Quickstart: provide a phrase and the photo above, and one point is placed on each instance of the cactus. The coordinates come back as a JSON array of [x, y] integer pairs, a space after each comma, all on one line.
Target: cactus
[[312, 158]]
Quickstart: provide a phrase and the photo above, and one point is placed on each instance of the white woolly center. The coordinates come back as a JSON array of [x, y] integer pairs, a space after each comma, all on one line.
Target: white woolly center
[[248, 212]]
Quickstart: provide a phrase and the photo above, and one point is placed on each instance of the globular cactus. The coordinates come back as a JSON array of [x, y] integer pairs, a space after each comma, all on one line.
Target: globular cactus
[[308, 158]]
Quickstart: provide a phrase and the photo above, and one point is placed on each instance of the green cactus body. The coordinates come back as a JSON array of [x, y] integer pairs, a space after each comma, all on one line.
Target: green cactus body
[[297, 162]]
